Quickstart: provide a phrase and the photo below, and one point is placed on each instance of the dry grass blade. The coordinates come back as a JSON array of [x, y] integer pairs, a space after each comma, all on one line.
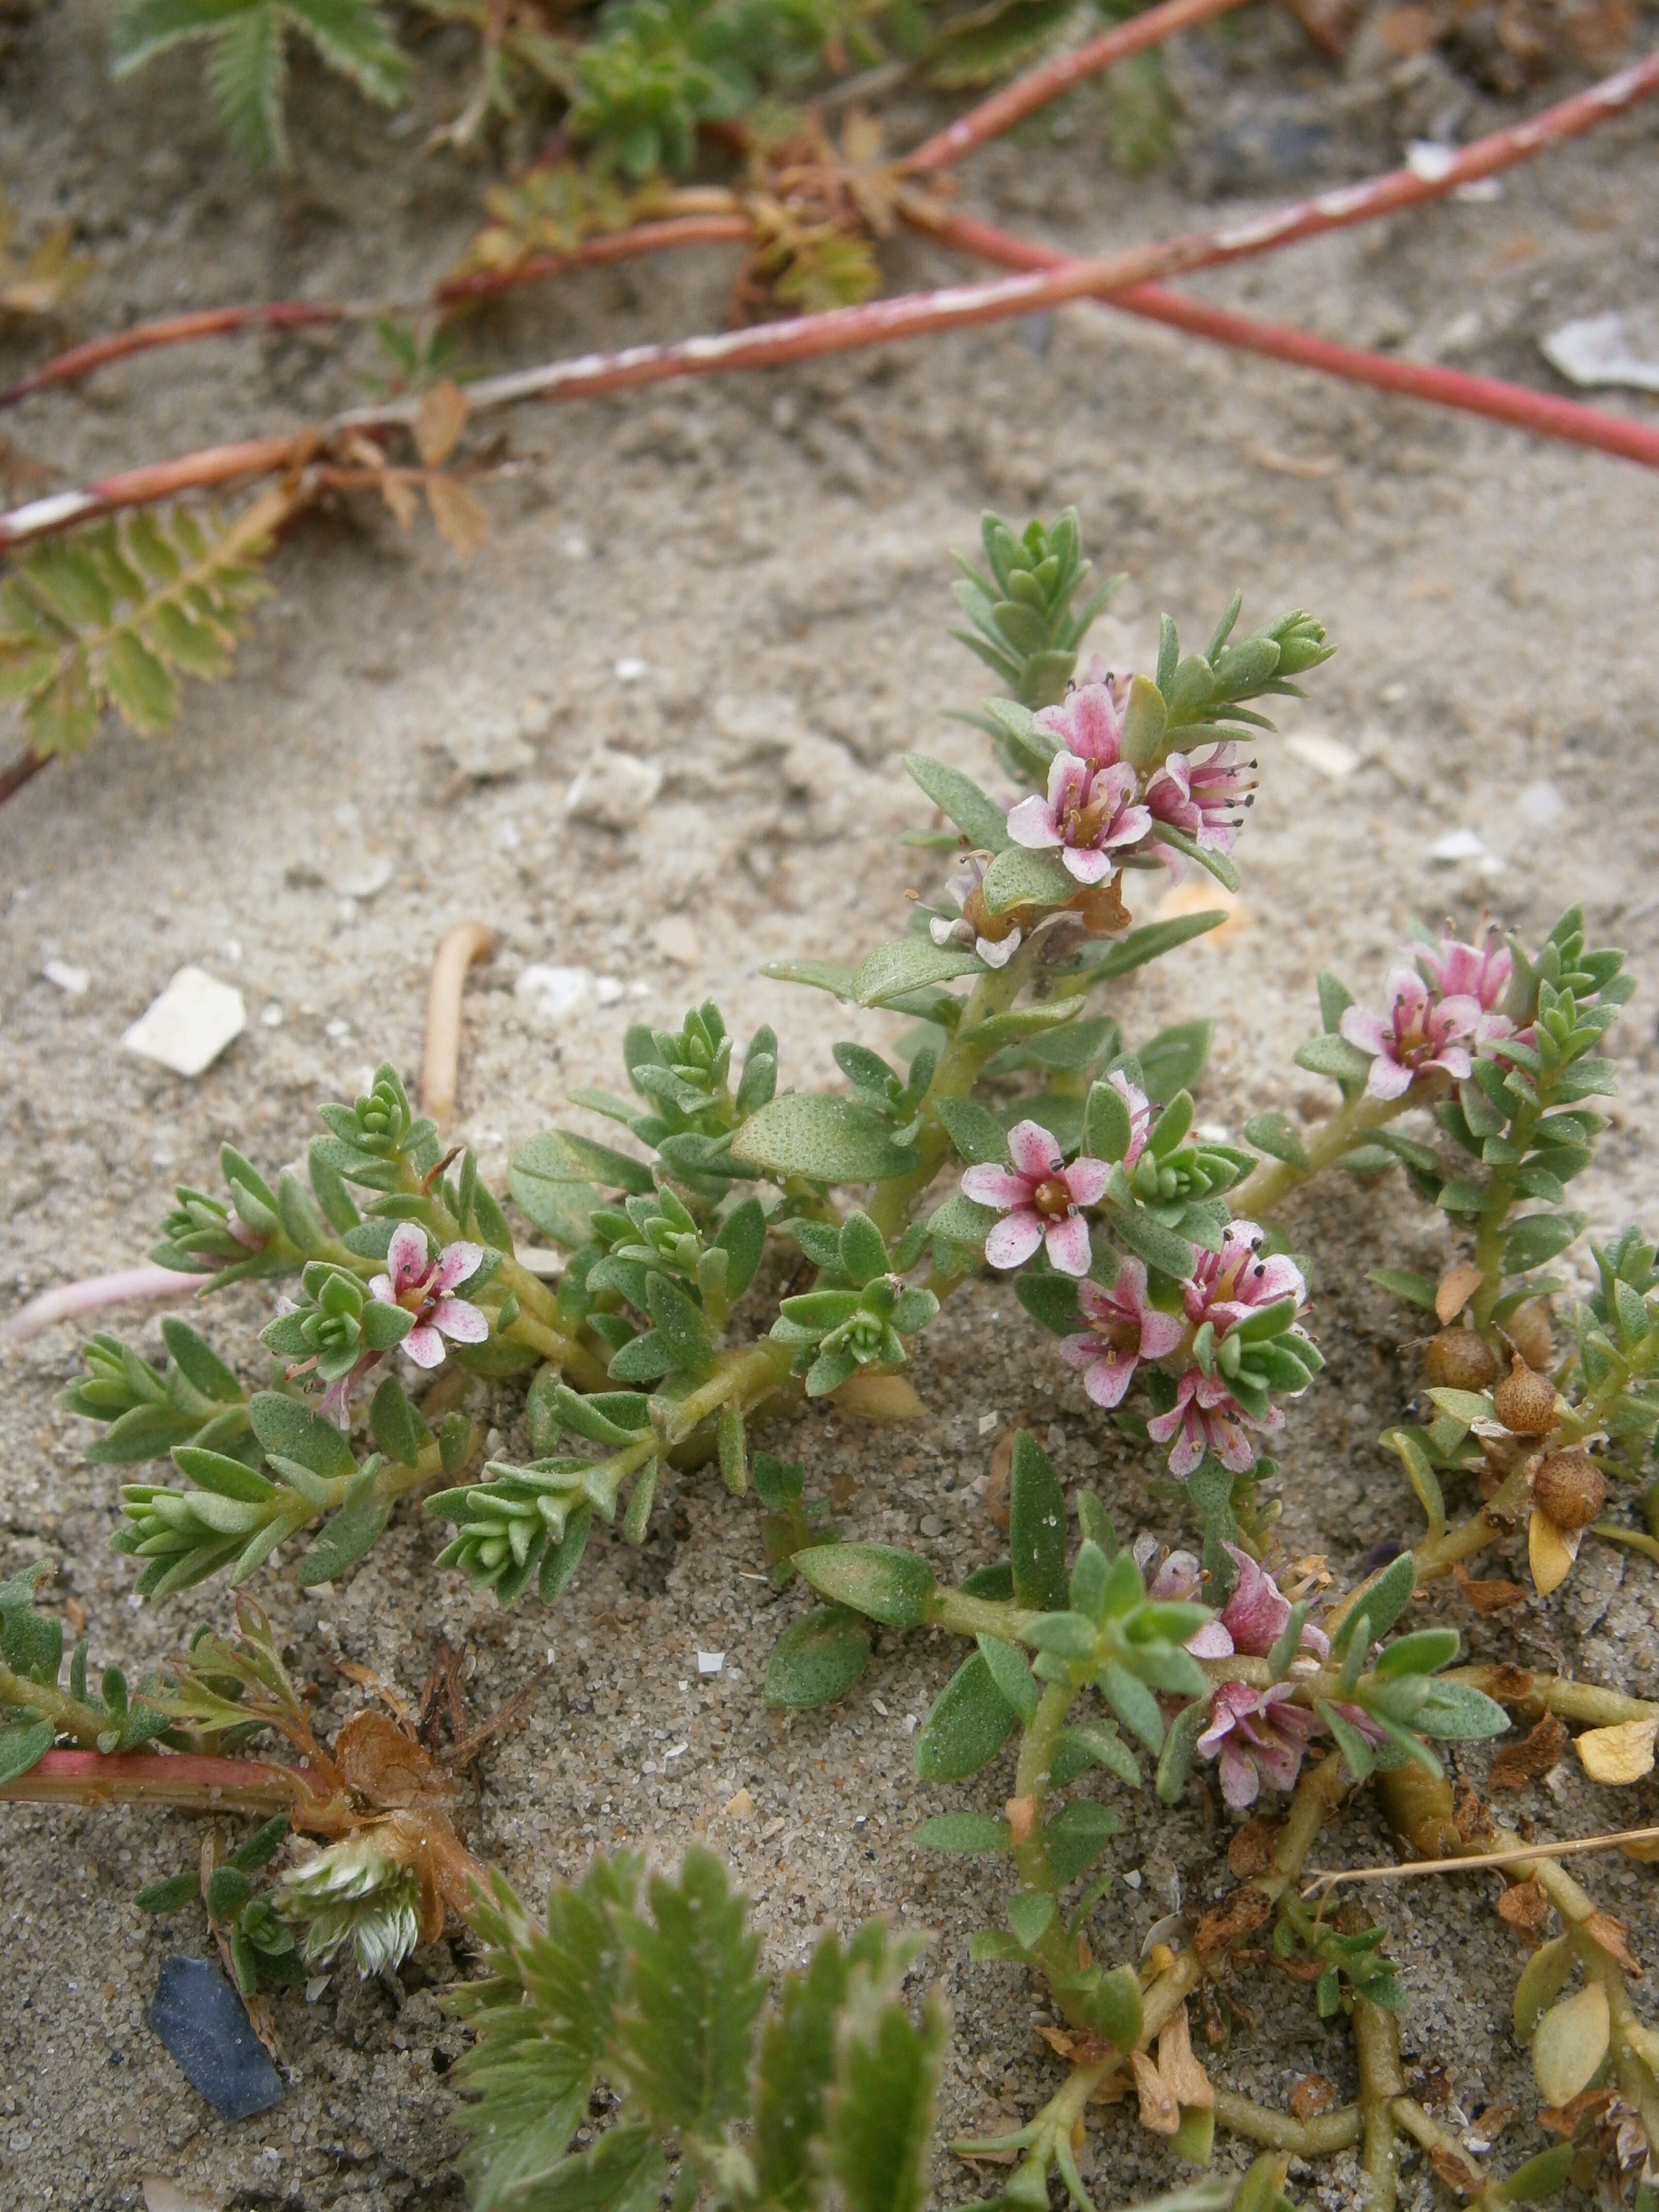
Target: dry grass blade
[[1320, 1885]]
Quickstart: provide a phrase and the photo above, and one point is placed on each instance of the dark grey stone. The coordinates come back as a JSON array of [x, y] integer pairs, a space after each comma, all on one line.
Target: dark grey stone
[[201, 2019]]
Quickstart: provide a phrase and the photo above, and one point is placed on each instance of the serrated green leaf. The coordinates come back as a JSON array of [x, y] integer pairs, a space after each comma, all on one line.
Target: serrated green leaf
[[682, 2044]]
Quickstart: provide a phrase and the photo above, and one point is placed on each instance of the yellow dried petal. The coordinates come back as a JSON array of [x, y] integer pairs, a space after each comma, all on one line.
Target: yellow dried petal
[[1624, 1753], [1550, 1552], [879, 1397], [1456, 1287], [1570, 2043], [1158, 2110]]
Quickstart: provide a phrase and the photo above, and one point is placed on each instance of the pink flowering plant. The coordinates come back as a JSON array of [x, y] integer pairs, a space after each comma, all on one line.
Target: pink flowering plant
[[737, 1249]]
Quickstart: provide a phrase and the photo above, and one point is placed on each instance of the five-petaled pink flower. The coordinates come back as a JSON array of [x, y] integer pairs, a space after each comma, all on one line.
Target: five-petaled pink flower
[[1418, 1033], [1259, 1737], [1253, 1619], [420, 1286], [1456, 970], [1087, 721], [1042, 1198], [1089, 812], [1123, 1330], [1206, 1417], [1204, 797], [1226, 1286]]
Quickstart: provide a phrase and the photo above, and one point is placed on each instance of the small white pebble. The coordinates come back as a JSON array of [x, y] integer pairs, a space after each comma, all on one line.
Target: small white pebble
[[270, 1016], [67, 977], [881, 1709], [911, 1724], [1213, 1132], [629, 668], [316, 1985], [987, 1422], [233, 948], [710, 1662], [1457, 845], [189, 1025], [676, 1751], [607, 989], [576, 546], [1134, 1879], [337, 1028]]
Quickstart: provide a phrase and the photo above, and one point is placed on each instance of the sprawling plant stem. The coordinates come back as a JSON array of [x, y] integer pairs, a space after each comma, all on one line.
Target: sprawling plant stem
[[182, 1779], [1376, 2045], [1266, 1187]]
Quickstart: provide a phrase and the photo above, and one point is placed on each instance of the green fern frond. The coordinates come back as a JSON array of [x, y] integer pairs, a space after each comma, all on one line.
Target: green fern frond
[[993, 41], [246, 68], [664, 2003], [114, 615]]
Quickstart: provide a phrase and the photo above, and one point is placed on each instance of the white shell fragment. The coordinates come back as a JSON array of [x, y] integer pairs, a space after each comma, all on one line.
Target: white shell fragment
[[1327, 756], [553, 993], [613, 791], [70, 979], [1602, 349], [710, 1662], [190, 1024]]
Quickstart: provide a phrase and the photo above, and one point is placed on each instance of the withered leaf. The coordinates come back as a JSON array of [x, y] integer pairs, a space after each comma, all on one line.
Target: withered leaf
[[1489, 1597], [439, 425], [398, 492], [1456, 1288], [1311, 2094], [1458, 2175], [386, 1766], [1251, 1851], [1158, 2110], [461, 522], [1525, 1908], [1185, 2079], [1238, 1916], [1518, 1764], [1619, 1755], [1610, 1936]]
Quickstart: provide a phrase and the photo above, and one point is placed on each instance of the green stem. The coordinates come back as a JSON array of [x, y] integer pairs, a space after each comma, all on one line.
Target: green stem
[[1265, 1189], [959, 1068], [1377, 2042], [67, 1714], [563, 1351], [1324, 2133], [1551, 1693], [1054, 1953]]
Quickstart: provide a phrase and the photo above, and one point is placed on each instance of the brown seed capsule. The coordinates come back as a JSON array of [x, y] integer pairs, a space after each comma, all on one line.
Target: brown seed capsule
[[1528, 1331], [1570, 1489], [1459, 1360], [1525, 1402]]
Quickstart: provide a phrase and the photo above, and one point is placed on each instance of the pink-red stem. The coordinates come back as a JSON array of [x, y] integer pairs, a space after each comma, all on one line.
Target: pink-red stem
[[1046, 82], [170, 1778], [615, 245], [172, 330], [71, 1301], [1515, 404], [215, 466]]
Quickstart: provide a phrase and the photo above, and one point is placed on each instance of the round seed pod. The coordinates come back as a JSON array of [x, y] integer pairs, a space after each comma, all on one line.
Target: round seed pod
[[1525, 1402], [1570, 1489], [1528, 1331], [1459, 1360]]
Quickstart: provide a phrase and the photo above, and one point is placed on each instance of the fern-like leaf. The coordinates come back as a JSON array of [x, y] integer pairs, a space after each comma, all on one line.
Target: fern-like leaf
[[352, 36], [143, 29], [112, 616], [684, 2040], [247, 72]]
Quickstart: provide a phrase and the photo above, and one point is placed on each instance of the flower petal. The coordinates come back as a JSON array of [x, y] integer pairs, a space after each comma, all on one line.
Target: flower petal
[[1087, 864], [1160, 1333], [379, 1286], [1387, 1078], [1014, 1239], [461, 1320], [1365, 1030], [1033, 1150], [424, 1346], [996, 952], [1032, 823], [990, 1185], [406, 1257], [1241, 1785], [1108, 1380], [455, 1263], [1087, 1180], [1068, 1245], [1211, 1642]]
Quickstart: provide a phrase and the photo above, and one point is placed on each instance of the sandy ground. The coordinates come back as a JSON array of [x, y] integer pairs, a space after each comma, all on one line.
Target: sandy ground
[[774, 552]]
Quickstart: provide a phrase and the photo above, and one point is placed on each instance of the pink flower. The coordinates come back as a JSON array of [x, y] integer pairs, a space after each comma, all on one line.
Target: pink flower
[[1227, 1285], [1178, 1574], [1087, 721], [1419, 1033], [1042, 1199], [1141, 1116], [1090, 810], [1456, 970], [1258, 1736], [1123, 1330], [420, 1286], [1253, 1619], [1204, 797], [976, 923], [1205, 1417]]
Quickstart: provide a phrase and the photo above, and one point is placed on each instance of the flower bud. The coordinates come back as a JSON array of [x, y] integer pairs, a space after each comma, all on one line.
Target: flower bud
[[1570, 1489], [1525, 1402], [1528, 1331], [1459, 1360]]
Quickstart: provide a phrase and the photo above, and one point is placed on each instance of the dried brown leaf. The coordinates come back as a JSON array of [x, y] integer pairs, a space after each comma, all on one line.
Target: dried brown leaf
[[1182, 2076], [1619, 1754], [1464, 2180], [386, 1765], [996, 1487], [398, 493], [1524, 1907], [1458, 1285], [1251, 1851], [462, 523], [1158, 2110], [1239, 1916], [1311, 2094], [1493, 1596], [1518, 1764], [439, 425], [1609, 1935]]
